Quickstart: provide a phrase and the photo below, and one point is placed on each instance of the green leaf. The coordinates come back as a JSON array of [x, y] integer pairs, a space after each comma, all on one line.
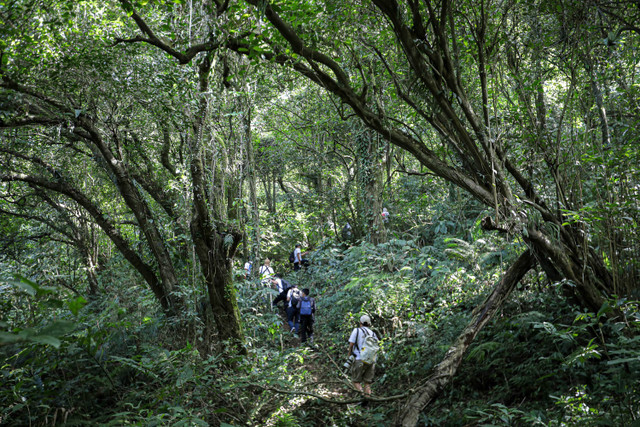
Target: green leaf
[[28, 335], [58, 328], [29, 286], [604, 309], [620, 361], [24, 286], [6, 338], [76, 304], [46, 339]]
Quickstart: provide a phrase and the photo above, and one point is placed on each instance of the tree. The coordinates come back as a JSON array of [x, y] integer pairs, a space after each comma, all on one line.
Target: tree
[[113, 125]]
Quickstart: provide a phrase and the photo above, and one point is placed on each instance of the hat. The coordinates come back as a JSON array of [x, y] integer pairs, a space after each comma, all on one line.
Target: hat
[[365, 319]]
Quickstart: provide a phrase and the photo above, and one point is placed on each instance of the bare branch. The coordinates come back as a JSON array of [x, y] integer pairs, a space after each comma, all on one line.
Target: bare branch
[[182, 57]]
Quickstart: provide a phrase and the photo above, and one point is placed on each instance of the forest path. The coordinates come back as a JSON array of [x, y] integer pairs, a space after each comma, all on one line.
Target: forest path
[[324, 379]]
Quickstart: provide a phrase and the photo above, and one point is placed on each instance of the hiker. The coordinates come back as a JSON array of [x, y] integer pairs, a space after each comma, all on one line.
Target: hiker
[[385, 215], [293, 297], [361, 372], [298, 260], [247, 269], [307, 310], [346, 232], [297, 257], [283, 288], [266, 272]]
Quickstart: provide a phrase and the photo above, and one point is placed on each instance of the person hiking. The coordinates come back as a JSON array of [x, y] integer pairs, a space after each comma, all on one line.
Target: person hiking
[[347, 235], [298, 260], [293, 297], [266, 272], [247, 269], [385, 215], [297, 257], [307, 310], [282, 287], [362, 373]]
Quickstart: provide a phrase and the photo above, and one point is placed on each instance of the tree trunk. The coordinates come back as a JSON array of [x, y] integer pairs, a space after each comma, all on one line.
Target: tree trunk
[[251, 175], [89, 248], [447, 368], [215, 253], [576, 262], [214, 245], [370, 186], [140, 209]]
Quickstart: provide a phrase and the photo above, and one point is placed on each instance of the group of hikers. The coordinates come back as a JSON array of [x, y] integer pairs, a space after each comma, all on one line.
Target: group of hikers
[[299, 306], [296, 258], [300, 310]]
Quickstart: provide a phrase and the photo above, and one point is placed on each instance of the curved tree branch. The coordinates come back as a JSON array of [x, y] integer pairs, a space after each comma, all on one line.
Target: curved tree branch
[[348, 95], [101, 219], [182, 57]]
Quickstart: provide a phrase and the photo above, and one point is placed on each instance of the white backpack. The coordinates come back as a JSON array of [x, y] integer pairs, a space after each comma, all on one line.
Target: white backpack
[[370, 347]]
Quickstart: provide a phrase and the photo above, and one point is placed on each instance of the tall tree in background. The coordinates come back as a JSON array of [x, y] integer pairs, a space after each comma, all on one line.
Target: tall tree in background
[[342, 161], [110, 121], [370, 182]]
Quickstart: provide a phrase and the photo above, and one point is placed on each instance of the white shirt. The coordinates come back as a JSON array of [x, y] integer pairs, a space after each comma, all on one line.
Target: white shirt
[[360, 334], [266, 272], [290, 294], [279, 284], [297, 255]]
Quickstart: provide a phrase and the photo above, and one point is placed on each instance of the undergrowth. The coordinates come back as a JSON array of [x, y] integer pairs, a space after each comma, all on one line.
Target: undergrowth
[[541, 361]]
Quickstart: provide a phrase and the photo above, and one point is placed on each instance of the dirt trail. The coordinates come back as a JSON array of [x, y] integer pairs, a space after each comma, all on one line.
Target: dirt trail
[[325, 379]]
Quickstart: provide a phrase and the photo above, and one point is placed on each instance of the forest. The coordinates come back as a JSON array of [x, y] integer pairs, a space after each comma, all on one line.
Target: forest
[[465, 174]]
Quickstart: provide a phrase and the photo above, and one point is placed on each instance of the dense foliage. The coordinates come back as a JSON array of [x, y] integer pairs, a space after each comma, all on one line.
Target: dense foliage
[[542, 361], [148, 149]]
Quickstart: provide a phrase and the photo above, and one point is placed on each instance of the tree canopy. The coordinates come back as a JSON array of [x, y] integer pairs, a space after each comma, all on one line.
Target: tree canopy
[[148, 149]]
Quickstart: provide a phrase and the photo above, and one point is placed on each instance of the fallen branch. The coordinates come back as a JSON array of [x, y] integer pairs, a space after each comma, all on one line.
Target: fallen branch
[[447, 368], [346, 383], [328, 400]]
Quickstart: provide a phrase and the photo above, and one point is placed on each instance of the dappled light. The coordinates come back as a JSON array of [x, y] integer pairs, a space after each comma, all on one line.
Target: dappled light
[[290, 213]]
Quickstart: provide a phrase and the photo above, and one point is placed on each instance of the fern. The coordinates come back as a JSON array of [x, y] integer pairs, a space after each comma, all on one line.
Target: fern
[[480, 352]]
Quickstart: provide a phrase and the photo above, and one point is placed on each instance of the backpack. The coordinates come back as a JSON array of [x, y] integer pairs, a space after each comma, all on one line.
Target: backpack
[[370, 347], [265, 272], [292, 257], [305, 306], [296, 294], [285, 285]]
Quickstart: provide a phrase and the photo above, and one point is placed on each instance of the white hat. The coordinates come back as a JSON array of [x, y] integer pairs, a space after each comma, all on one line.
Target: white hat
[[365, 319]]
